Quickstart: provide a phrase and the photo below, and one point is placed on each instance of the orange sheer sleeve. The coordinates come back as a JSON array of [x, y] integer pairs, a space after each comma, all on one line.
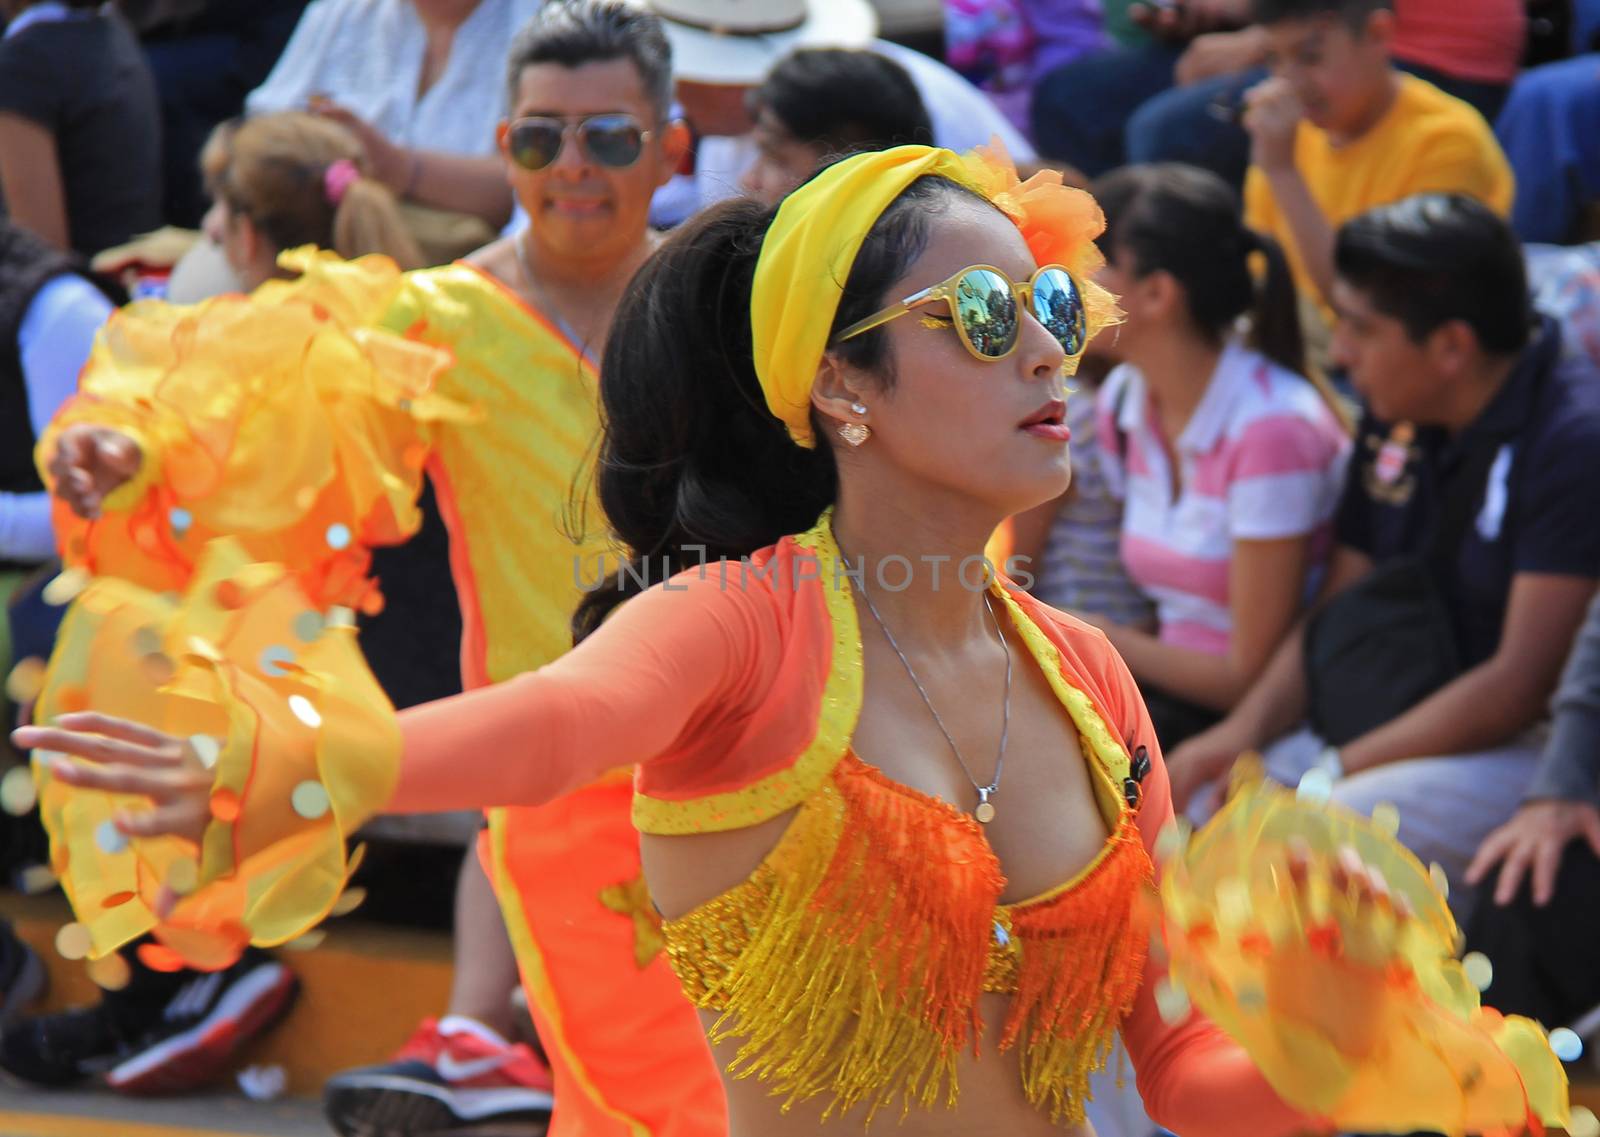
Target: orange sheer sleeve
[[668, 661], [1193, 1078]]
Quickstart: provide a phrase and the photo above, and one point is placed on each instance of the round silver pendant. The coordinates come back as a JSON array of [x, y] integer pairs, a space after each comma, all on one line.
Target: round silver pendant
[[984, 812]]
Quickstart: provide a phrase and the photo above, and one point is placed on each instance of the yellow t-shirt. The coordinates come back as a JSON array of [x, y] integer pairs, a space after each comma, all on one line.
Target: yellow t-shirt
[[1429, 141]]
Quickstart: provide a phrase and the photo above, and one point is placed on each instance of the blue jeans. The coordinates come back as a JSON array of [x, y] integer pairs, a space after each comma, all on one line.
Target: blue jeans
[[1081, 108], [1196, 124]]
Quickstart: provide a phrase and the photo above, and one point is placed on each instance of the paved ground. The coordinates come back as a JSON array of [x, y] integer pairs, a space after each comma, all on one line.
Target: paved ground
[[31, 1113]]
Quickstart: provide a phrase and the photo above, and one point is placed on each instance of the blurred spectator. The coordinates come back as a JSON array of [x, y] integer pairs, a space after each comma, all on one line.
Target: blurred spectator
[[409, 79], [80, 126], [49, 313], [206, 56], [716, 70], [1072, 545], [1177, 98], [279, 181], [1229, 460], [1566, 284], [1550, 129], [1534, 918], [1006, 46], [1337, 131], [1467, 551], [819, 103]]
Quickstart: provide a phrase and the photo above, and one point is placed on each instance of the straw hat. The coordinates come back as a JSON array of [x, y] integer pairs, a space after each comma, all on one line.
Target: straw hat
[[736, 42]]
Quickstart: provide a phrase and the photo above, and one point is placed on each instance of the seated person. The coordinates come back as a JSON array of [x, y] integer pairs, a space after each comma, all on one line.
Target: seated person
[[718, 59], [1337, 130], [80, 128], [822, 103], [1550, 129], [1565, 282], [1006, 46], [50, 310], [1466, 552], [420, 83], [1228, 458], [1071, 547], [205, 56], [279, 181], [1535, 916], [1174, 98]]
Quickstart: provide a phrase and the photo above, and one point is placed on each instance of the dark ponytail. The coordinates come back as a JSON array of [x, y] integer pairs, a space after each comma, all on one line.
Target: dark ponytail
[[691, 457], [1275, 329], [1185, 221]]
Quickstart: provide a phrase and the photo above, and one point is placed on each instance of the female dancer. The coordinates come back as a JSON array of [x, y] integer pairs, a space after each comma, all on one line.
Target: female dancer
[[899, 825]]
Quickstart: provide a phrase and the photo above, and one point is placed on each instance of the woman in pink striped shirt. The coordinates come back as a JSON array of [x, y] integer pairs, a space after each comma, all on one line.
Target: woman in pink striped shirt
[[1229, 460]]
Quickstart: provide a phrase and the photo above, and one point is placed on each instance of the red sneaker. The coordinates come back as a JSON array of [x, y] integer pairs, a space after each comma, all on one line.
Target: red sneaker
[[453, 1075]]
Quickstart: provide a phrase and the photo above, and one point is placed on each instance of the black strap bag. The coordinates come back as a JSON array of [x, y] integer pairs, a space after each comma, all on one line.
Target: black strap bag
[[1386, 643]]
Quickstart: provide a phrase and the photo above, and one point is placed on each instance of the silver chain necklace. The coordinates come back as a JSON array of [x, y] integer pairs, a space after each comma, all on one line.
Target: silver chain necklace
[[984, 811]]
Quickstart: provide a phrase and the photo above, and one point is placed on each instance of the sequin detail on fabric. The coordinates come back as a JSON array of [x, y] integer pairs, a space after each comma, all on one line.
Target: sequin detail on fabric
[[851, 963]]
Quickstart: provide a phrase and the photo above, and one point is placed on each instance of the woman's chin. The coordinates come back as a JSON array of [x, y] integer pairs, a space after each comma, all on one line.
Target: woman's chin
[[1034, 487]]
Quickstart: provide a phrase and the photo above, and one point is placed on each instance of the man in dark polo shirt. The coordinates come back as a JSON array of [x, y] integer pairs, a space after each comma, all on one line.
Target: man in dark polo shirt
[[1476, 468]]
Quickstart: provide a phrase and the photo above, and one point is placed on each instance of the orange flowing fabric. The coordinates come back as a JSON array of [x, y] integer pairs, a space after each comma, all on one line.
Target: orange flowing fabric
[[279, 429], [285, 420]]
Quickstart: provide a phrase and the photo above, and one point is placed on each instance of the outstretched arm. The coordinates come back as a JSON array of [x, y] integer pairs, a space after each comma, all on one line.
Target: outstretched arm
[[630, 693], [626, 695]]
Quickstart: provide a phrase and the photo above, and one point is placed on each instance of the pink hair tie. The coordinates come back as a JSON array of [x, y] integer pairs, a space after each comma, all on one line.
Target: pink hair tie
[[338, 179]]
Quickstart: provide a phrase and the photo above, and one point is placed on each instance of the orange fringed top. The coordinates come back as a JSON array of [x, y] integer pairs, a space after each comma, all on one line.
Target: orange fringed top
[[736, 691]]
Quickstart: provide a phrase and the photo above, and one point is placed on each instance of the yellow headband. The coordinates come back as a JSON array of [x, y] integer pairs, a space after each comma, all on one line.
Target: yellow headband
[[812, 244]]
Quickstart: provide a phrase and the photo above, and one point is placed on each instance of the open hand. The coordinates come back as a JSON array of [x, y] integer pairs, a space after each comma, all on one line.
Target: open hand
[[1532, 843], [1205, 759], [124, 757], [89, 463], [1326, 982]]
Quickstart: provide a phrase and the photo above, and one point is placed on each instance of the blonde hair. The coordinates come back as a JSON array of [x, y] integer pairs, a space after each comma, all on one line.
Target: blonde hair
[[273, 169]]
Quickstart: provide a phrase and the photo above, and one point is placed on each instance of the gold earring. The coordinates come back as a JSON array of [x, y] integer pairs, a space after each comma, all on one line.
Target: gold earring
[[855, 433]]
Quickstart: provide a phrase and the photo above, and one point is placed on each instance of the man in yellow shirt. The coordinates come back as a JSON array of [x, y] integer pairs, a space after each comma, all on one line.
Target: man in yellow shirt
[[1337, 130]]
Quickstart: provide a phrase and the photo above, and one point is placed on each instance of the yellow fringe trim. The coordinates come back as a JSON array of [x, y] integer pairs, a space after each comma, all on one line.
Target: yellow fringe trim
[[851, 963]]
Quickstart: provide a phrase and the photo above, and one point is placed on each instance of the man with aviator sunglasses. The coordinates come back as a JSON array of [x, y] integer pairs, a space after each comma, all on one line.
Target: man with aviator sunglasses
[[587, 145]]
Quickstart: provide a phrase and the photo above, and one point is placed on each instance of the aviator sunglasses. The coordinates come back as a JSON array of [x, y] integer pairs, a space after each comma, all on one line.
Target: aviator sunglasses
[[984, 303], [611, 140]]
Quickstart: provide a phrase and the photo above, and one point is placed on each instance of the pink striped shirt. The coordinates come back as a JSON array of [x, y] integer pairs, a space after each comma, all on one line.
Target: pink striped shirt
[[1261, 459]]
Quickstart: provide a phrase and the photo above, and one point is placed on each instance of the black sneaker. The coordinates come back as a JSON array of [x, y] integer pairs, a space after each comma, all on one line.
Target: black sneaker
[[183, 1039], [22, 974], [454, 1078]]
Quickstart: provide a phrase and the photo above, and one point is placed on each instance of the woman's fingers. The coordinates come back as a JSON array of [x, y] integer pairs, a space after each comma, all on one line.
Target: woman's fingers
[[94, 747], [1511, 874], [1546, 866], [1489, 854], [93, 722], [159, 783]]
